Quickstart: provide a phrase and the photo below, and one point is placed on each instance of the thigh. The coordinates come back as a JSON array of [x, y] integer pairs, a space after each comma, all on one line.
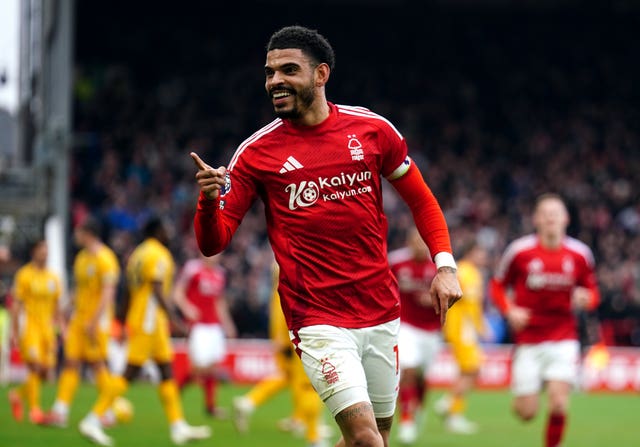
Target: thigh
[[49, 349], [409, 354], [161, 348], [96, 350], [206, 345], [526, 370], [73, 342], [380, 363], [30, 343], [139, 347], [430, 345], [561, 361], [468, 356], [332, 361]]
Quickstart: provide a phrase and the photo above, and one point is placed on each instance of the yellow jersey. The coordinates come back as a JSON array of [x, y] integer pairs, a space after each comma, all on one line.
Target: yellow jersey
[[465, 318], [150, 262], [91, 272], [39, 292]]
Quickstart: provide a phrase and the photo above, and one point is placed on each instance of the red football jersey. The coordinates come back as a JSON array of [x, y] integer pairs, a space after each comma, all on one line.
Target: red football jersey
[[204, 285], [414, 280], [542, 280], [322, 190]]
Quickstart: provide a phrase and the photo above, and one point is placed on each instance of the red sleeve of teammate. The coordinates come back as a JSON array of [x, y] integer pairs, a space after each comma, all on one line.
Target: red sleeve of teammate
[[425, 209], [499, 296], [590, 282], [213, 231]]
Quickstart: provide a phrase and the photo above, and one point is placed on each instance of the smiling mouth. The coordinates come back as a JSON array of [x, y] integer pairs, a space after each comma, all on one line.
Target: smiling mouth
[[280, 94]]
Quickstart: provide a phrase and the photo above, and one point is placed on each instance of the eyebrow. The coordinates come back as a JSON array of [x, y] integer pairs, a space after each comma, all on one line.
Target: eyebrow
[[283, 66]]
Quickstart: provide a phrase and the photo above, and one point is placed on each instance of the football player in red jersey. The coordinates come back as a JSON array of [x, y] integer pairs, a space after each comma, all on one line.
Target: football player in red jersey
[[420, 337], [549, 276], [318, 168], [199, 294]]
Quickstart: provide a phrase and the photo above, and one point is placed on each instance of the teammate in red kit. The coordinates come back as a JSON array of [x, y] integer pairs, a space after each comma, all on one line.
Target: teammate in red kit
[[420, 337], [199, 294], [318, 168], [550, 276]]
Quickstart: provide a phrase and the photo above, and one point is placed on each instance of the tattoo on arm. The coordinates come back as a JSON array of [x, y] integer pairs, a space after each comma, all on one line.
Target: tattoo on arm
[[446, 269]]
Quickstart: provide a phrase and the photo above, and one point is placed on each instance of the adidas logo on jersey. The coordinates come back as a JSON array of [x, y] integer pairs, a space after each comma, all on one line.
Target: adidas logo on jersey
[[290, 165]]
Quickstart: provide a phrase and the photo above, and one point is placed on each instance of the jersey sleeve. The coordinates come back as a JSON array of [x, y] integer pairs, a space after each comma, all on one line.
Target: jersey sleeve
[[427, 214], [502, 278], [20, 285], [588, 279], [395, 161], [154, 266], [109, 268]]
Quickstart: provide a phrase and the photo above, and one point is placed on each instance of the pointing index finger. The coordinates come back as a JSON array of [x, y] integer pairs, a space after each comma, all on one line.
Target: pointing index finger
[[198, 161]]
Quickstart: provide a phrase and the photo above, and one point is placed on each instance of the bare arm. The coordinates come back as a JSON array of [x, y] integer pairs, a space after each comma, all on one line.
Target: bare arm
[[226, 321], [190, 311], [107, 298], [163, 302]]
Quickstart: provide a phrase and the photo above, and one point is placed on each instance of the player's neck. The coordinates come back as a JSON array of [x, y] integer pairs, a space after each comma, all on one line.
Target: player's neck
[[551, 241], [93, 246], [316, 114]]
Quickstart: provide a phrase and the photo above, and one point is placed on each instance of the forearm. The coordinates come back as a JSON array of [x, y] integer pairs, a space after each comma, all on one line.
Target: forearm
[[106, 300], [162, 301], [499, 296], [594, 299], [213, 232]]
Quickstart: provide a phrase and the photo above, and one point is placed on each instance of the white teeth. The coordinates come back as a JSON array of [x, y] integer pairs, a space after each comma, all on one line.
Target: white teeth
[[280, 94]]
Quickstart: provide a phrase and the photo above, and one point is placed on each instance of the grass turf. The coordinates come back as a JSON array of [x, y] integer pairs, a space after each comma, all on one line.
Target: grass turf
[[595, 420]]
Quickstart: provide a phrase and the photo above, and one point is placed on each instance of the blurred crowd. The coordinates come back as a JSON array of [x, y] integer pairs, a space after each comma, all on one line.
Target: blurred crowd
[[496, 109]]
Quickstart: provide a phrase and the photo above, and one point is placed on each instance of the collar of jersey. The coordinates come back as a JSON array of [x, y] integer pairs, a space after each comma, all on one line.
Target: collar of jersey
[[328, 122]]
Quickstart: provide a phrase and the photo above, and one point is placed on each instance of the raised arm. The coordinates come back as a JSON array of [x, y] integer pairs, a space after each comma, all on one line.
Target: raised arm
[[213, 231]]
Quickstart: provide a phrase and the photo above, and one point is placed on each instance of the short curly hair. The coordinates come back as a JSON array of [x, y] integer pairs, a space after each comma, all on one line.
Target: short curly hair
[[312, 43]]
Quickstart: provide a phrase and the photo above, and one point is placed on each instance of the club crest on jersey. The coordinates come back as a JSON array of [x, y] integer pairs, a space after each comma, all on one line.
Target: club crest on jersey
[[227, 184], [355, 148]]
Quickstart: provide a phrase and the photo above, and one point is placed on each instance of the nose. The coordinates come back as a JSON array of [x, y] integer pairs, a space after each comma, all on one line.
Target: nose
[[276, 79]]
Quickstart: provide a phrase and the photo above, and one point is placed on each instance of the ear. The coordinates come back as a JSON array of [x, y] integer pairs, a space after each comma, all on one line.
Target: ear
[[322, 73]]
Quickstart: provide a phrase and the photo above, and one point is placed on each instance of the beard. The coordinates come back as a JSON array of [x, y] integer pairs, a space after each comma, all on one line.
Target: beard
[[302, 102]]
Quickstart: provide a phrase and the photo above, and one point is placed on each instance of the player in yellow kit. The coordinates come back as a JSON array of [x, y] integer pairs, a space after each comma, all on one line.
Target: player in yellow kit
[[307, 406], [96, 272], [462, 331], [35, 316], [150, 272]]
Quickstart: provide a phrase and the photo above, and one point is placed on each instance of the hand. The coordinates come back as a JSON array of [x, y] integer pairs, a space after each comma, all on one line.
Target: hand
[[210, 180], [424, 298], [230, 330], [190, 312], [518, 317], [445, 291], [580, 298]]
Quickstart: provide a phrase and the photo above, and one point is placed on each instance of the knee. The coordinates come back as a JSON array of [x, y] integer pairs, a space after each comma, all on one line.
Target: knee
[[524, 413], [558, 406], [72, 364], [365, 437], [166, 371]]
